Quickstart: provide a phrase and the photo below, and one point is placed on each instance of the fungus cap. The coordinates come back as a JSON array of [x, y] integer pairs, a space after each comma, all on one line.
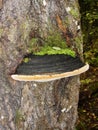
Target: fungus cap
[[49, 67]]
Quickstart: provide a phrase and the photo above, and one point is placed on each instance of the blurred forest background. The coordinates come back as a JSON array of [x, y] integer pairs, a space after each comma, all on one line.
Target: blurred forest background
[[88, 104]]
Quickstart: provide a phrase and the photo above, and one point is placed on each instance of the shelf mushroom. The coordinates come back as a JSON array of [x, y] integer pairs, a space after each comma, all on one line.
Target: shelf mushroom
[[49, 67]]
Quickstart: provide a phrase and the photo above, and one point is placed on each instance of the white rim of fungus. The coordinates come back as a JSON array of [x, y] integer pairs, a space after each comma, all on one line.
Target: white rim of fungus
[[51, 76]]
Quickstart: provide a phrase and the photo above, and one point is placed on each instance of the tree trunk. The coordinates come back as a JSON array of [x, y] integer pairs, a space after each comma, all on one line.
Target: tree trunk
[[31, 105]]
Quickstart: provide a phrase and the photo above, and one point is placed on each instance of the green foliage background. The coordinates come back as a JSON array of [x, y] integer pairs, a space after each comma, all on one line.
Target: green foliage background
[[89, 19], [88, 101]]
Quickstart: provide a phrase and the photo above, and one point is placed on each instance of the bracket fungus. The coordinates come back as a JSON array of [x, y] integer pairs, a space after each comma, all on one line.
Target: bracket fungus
[[49, 67]]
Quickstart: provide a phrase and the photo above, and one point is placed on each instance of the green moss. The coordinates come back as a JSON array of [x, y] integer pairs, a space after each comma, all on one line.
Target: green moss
[[74, 13], [33, 45], [53, 44], [18, 118], [55, 39], [55, 50], [78, 41], [26, 60]]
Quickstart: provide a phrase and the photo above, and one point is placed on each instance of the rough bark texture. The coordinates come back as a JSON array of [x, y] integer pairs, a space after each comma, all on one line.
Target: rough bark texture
[[30, 105]]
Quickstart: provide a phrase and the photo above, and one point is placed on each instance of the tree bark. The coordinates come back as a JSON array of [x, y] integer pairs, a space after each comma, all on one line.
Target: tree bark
[[31, 105]]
